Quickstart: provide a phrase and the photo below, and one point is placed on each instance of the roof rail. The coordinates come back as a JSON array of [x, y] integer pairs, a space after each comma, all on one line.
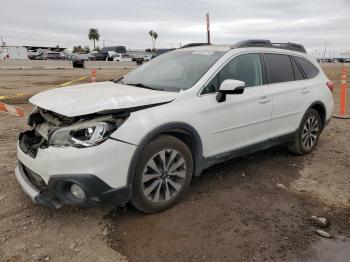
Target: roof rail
[[267, 43], [253, 43], [290, 46], [194, 44]]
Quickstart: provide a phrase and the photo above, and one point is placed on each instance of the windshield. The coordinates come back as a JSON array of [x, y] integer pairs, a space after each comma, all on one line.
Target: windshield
[[173, 71]]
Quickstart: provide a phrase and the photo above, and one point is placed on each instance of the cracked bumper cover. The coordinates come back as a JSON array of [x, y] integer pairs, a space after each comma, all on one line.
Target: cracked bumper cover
[[57, 192]]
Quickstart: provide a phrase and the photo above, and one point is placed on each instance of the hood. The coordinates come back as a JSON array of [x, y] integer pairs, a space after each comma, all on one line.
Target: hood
[[92, 98]]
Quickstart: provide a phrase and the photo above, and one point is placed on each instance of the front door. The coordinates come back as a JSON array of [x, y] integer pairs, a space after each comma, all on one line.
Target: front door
[[243, 119]]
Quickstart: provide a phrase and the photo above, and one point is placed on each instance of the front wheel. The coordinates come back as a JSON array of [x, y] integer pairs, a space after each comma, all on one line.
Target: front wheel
[[308, 133], [163, 174]]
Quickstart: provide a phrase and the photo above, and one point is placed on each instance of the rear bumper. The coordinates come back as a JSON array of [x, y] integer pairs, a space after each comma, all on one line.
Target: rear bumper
[[57, 191]]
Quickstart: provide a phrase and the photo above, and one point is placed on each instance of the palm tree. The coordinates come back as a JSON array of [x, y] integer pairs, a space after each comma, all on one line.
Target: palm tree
[[94, 35], [154, 37]]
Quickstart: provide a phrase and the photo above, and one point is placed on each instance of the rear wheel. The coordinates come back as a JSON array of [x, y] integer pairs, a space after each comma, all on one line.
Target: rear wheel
[[308, 133], [163, 174]]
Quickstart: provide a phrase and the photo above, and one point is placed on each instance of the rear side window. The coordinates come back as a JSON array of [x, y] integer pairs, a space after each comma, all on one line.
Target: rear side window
[[297, 73], [309, 69], [279, 67]]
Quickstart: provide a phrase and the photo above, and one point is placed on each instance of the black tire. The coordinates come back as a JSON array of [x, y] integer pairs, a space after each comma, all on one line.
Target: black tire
[[300, 144], [151, 151]]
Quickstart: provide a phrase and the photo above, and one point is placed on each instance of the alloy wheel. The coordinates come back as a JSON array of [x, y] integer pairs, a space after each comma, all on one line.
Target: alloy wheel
[[310, 132], [164, 175]]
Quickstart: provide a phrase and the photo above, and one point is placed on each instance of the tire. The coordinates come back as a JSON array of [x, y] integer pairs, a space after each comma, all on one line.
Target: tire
[[159, 186], [308, 133]]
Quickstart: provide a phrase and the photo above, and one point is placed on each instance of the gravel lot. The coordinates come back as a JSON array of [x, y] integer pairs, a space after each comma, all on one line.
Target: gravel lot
[[254, 208]]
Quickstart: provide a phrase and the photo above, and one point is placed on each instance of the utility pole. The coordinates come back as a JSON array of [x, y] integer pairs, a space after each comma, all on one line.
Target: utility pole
[[103, 43], [208, 28], [325, 50], [2, 41]]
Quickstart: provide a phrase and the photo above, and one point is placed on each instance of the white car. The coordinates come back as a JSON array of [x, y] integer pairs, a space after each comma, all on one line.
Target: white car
[[143, 137], [121, 57], [147, 57]]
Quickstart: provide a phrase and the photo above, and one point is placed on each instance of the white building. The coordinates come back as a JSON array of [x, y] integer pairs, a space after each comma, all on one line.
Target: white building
[[13, 52]]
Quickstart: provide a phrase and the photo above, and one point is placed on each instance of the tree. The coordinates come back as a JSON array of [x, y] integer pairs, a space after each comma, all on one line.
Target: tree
[[78, 49], [94, 35], [154, 36], [87, 49], [97, 49]]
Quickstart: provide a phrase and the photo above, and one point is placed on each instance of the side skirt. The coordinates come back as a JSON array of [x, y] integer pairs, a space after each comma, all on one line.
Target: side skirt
[[213, 160]]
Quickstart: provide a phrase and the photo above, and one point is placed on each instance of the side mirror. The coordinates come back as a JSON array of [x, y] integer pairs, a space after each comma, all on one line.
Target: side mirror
[[228, 87]]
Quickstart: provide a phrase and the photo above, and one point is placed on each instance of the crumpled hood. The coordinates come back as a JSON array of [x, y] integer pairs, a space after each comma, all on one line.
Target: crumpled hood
[[92, 98]]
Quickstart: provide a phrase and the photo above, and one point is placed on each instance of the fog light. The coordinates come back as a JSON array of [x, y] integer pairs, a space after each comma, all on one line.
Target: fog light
[[77, 191]]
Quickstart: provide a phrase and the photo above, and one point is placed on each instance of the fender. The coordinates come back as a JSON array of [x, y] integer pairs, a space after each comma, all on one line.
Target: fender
[[323, 117], [174, 127]]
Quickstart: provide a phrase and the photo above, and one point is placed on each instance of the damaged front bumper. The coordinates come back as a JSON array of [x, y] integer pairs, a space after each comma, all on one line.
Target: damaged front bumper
[[56, 192], [46, 173]]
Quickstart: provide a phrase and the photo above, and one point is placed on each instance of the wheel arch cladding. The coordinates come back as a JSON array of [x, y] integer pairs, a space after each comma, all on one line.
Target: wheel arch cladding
[[321, 109], [182, 131]]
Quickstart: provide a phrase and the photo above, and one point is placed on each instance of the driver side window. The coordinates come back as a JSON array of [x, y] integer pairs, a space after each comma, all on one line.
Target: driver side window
[[246, 68]]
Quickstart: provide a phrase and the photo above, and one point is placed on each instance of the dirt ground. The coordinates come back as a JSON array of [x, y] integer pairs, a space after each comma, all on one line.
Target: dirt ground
[[254, 208]]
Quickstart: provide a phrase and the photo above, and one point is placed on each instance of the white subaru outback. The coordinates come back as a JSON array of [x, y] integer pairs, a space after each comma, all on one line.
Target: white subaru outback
[[143, 137]]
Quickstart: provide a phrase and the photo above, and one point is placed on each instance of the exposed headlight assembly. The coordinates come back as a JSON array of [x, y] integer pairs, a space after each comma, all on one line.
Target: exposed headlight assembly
[[85, 134]]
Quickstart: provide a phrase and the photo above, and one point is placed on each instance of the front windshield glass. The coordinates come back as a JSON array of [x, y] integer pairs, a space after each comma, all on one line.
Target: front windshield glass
[[173, 71]]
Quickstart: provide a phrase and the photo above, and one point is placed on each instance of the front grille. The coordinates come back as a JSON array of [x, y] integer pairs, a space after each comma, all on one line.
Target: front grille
[[34, 179]]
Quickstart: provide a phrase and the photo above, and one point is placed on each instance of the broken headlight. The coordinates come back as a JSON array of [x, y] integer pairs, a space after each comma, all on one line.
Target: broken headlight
[[84, 134]]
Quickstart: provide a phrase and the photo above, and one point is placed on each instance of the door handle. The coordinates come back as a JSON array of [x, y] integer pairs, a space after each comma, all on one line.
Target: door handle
[[305, 90], [264, 100]]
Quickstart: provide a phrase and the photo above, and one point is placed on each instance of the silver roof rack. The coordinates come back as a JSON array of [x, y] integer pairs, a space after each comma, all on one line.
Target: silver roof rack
[[267, 43]]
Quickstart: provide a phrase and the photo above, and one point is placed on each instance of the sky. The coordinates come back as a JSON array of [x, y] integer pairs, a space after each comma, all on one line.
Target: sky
[[313, 23]]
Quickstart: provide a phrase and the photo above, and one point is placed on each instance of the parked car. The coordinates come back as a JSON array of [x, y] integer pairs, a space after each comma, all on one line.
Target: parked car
[[100, 56], [50, 55], [137, 56], [344, 60], [143, 137], [121, 58], [78, 59], [116, 49], [32, 55], [148, 56], [110, 51]]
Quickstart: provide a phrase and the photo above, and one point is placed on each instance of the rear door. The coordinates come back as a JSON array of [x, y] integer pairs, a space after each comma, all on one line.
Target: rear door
[[309, 72], [287, 82]]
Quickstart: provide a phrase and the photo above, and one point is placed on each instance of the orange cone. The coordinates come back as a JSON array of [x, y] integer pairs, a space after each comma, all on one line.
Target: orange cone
[[93, 76]]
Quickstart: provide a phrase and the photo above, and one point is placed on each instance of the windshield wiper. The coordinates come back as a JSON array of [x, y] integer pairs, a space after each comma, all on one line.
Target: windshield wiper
[[144, 86]]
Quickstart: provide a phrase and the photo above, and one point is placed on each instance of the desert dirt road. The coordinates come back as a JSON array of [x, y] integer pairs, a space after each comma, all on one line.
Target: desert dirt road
[[254, 208]]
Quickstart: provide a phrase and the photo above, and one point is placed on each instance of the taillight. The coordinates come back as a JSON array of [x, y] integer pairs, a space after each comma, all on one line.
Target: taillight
[[330, 85]]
